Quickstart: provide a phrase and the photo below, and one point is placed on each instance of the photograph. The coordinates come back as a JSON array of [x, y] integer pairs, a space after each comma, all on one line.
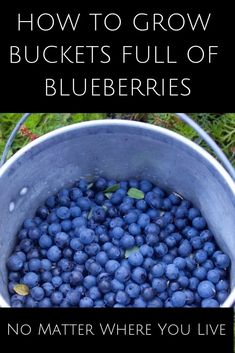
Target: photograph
[[117, 210]]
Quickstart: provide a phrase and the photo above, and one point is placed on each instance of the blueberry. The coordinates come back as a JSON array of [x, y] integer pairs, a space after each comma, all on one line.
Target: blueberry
[[213, 276], [127, 241], [122, 274], [148, 293], [222, 296], [199, 223], [48, 288], [168, 258], [34, 265], [56, 281], [206, 289], [101, 184], [158, 270], [14, 276], [183, 281], [141, 205], [79, 222], [193, 283], [209, 247], [84, 204], [104, 285], [161, 249], [148, 263], [173, 287], [133, 290], [206, 235], [159, 284], [200, 256], [114, 253], [31, 279], [30, 302], [46, 264], [75, 193], [155, 303], [171, 241], [210, 303], [34, 233], [89, 281], [94, 268], [134, 229], [51, 201], [61, 239], [42, 212], [122, 298], [136, 258], [45, 242], [56, 298], [189, 296], [145, 185], [76, 278], [185, 248], [222, 261], [208, 265], [151, 239], [54, 228], [193, 213], [200, 272], [45, 303], [146, 250], [102, 258], [109, 299], [87, 236], [180, 262], [139, 275], [46, 276], [175, 199], [28, 223], [117, 232], [23, 233], [178, 299], [139, 303], [172, 271], [37, 293], [16, 304], [15, 262], [143, 220], [94, 293], [33, 253], [76, 244], [222, 285], [54, 253], [116, 285]]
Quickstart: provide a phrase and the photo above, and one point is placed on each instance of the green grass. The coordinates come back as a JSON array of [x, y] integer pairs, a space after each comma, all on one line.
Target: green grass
[[220, 126]]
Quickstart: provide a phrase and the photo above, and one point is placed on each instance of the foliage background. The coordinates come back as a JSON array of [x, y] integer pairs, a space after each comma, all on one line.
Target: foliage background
[[221, 126]]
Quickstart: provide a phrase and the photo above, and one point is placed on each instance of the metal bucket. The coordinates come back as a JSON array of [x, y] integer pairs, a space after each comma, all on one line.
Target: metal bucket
[[120, 150]]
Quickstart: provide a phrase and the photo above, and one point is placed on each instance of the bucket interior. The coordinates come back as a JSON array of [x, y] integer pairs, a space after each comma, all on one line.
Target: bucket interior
[[117, 150]]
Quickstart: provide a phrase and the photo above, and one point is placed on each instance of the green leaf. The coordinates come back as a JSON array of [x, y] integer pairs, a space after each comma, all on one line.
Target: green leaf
[[112, 188], [135, 193], [128, 252], [21, 289], [108, 195], [105, 208], [89, 186]]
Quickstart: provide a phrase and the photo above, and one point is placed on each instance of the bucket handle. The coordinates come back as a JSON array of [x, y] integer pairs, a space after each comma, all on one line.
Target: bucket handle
[[185, 118]]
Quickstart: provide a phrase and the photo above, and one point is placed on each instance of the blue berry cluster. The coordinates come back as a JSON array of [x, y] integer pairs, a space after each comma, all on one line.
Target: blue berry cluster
[[109, 244]]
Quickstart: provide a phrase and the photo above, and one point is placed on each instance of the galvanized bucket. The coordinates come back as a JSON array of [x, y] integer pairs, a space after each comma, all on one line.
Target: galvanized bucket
[[115, 149]]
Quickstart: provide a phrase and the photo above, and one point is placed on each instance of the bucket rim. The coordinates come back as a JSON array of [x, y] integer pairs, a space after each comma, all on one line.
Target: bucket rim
[[126, 123]]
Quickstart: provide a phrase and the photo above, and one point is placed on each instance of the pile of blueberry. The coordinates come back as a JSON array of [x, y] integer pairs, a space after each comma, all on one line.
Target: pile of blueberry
[[117, 244]]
